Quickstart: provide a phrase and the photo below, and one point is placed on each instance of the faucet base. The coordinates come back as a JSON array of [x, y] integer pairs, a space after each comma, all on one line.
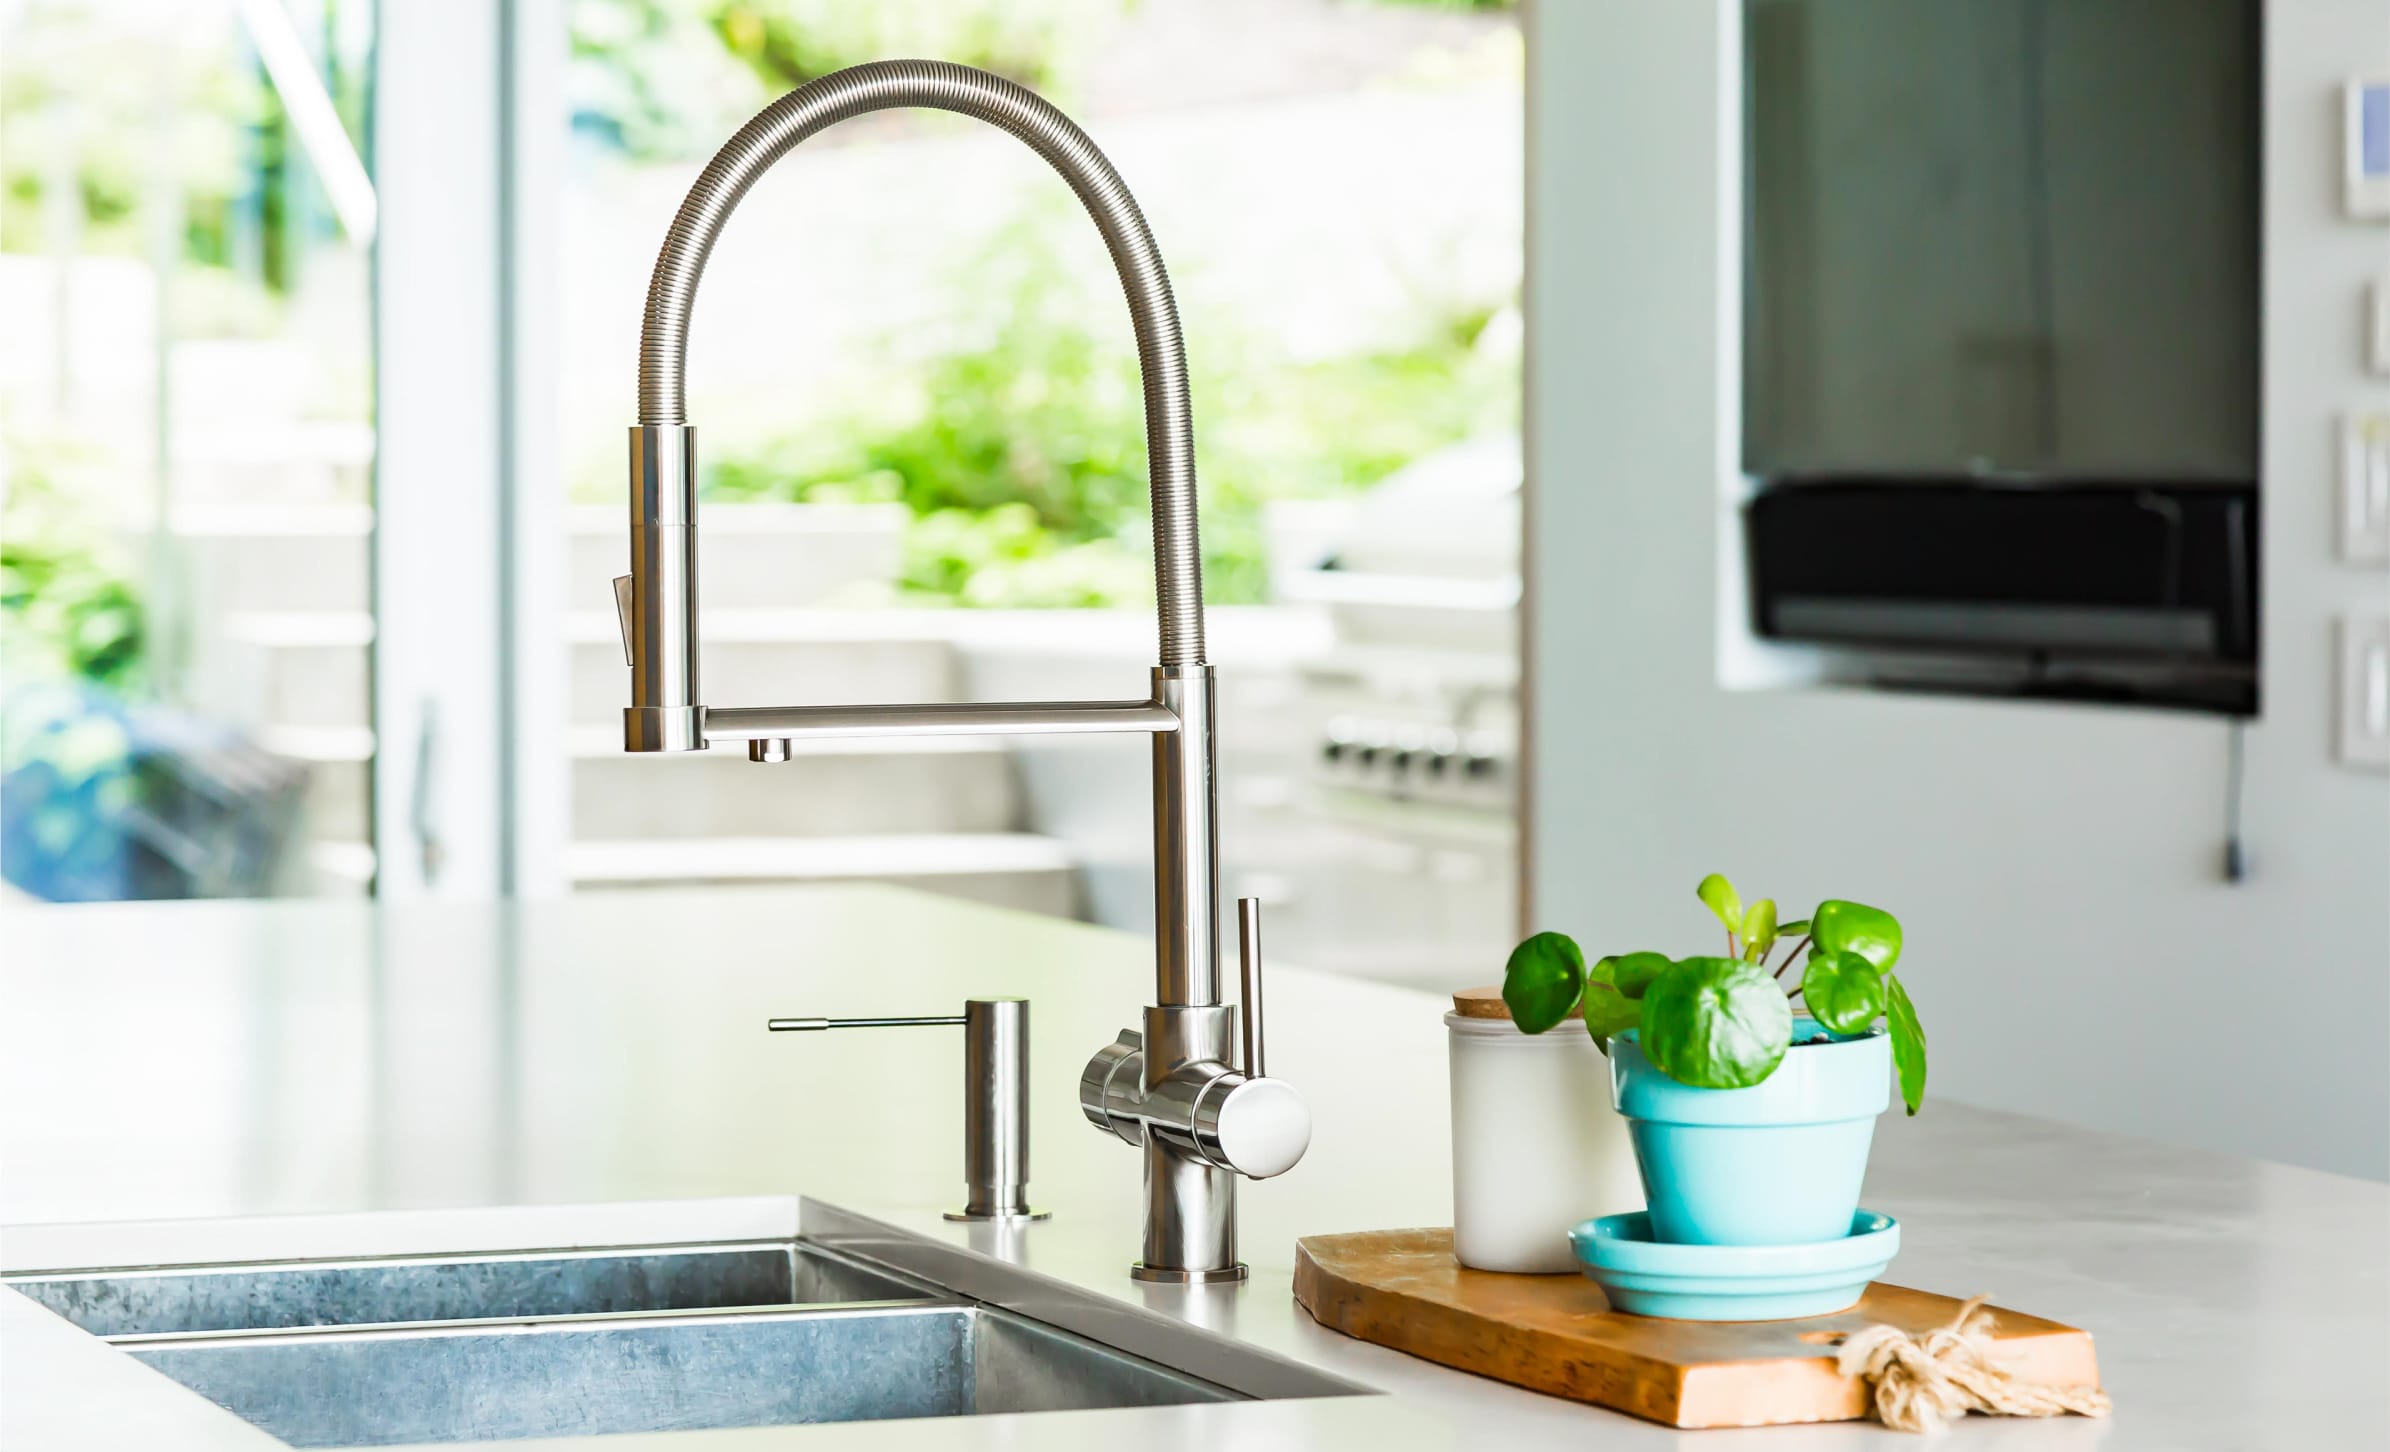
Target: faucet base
[[1017, 1216], [1166, 1276]]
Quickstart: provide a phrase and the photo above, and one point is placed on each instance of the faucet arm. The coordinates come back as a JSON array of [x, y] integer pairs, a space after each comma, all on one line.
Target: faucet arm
[[1169, 421], [961, 718]]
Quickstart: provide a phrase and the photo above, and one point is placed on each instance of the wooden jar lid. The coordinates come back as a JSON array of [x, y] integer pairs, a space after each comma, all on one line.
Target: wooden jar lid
[[1487, 1003]]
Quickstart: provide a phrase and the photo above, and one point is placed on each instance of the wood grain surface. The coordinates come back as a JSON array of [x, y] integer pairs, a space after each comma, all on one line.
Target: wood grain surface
[[1558, 1335]]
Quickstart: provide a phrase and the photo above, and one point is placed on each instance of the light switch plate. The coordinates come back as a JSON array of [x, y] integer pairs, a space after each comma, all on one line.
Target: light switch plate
[[2365, 148], [2365, 691], [2365, 487]]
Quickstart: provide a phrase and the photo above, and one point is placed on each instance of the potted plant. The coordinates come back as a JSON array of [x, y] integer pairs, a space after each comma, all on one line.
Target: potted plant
[[1751, 1120]]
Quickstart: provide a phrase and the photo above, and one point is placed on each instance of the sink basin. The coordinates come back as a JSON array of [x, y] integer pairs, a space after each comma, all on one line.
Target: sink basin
[[564, 1343], [451, 1288], [654, 1372]]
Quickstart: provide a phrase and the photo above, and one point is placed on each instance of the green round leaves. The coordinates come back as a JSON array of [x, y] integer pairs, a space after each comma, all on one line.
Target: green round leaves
[[1719, 896], [1908, 1044], [1725, 1023], [1629, 973], [1850, 927], [1543, 981], [1844, 991], [1715, 1023], [1609, 1013], [1759, 930], [1614, 989]]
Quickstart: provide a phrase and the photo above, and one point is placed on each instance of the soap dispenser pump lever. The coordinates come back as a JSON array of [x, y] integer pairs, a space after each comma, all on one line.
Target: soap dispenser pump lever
[[995, 1100]]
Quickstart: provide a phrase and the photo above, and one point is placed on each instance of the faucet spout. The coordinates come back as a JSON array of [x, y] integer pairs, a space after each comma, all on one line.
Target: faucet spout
[[1200, 1122], [1153, 311]]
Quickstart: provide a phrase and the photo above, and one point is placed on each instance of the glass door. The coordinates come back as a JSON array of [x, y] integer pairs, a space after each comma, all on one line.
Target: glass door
[[923, 459], [187, 448]]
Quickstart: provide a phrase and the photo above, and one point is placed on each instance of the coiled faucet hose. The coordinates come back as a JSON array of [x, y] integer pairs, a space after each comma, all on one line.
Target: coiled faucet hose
[[882, 85]]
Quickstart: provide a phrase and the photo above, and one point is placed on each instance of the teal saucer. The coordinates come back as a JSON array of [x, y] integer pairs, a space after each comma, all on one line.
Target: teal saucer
[[1646, 1277]]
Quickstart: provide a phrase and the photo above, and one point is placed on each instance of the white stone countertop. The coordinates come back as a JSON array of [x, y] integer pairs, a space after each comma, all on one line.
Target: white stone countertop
[[185, 1082]]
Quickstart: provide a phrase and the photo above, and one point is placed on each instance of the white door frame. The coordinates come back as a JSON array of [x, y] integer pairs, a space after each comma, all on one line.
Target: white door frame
[[535, 680], [468, 677]]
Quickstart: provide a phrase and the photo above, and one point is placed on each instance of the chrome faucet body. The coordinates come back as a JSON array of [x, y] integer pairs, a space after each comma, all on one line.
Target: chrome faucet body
[[1199, 1122]]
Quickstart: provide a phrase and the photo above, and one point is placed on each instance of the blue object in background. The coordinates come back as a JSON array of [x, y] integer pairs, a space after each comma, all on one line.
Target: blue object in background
[[2373, 131], [68, 786], [103, 800], [1779, 1163], [1646, 1277]]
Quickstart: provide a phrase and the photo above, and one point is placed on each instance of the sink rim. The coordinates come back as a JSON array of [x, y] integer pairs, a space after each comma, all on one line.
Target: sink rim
[[261, 1337], [292, 1295], [161, 1269]]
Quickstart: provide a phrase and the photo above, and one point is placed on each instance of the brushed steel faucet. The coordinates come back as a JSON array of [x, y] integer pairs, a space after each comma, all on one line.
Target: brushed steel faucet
[[1169, 1086]]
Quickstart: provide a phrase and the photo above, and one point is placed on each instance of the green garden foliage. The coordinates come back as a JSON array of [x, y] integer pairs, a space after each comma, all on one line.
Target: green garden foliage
[[73, 82], [67, 608], [664, 79], [1020, 448]]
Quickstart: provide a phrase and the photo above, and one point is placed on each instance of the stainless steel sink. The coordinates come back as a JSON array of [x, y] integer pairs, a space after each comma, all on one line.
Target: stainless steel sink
[[654, 1372], [676, 1338]]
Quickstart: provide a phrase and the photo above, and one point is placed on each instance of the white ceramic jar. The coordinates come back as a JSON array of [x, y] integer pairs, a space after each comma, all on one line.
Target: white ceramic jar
[[1536, 1145]]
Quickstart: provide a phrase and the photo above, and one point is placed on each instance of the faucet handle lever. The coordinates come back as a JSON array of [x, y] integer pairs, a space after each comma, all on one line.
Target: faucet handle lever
[[1248, 943], [623, 585]]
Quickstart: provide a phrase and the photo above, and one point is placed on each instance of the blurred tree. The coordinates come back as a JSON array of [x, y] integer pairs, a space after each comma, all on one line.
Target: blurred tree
[[662, 79], [107, 85], [650, 78], [67, 606], [789, 42], [1020, 446]]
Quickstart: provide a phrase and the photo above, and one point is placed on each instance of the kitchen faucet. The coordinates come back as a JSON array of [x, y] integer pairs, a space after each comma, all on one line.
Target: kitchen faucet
[[1167, 1087]]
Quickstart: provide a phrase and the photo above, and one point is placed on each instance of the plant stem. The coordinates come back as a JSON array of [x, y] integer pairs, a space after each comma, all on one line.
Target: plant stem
[[1795, 953], [1732, 950]]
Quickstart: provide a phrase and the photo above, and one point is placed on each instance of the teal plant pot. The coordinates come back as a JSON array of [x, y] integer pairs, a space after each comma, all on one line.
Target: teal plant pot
[[1779, 1163]]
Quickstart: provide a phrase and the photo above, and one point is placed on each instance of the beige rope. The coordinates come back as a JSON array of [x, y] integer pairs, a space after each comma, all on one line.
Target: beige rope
[[1923, 1383]]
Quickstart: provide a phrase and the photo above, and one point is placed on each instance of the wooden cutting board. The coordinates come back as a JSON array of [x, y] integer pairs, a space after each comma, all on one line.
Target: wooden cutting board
[[1558, 1335]]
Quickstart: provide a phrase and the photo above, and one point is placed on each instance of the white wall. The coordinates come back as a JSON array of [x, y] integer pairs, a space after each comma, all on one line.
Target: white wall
[[2073, 950]]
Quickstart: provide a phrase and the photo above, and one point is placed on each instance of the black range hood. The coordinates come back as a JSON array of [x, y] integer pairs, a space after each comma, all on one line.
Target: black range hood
[[2130, 591]]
